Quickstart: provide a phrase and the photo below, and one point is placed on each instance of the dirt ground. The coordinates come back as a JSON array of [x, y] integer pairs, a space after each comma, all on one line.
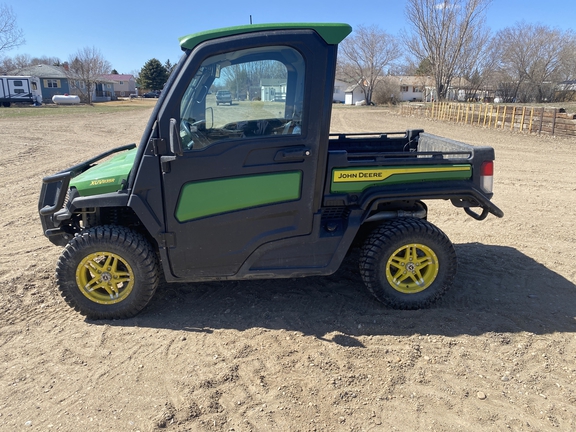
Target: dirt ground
[[497, 352]]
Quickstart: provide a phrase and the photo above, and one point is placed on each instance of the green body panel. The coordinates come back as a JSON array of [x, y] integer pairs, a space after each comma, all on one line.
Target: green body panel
[[106, 176], [212, 197], [355, 180], [332, 33]]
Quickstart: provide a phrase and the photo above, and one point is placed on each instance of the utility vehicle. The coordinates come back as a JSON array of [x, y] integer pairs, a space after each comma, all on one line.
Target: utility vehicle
[[260, 189]]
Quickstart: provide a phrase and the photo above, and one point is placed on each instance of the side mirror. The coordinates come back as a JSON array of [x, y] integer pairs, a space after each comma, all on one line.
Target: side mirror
[[175, 141]]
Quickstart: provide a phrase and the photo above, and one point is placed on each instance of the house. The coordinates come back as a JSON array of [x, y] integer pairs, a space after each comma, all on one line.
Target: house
[[55, 80], [124, 85], [565, 91], [103, 91], [412, 88], [273, 89], [457, 91], [353, 94], [340, 87], [409, 89]]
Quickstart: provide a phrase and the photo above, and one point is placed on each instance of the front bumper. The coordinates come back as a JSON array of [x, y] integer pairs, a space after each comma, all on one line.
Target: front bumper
[[54, 193]]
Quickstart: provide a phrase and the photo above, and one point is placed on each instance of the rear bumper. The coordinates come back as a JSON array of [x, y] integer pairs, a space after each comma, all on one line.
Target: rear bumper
[[461, 193]]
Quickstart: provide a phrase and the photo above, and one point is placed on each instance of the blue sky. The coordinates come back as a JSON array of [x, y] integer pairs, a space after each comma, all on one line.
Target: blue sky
[[129, 33]]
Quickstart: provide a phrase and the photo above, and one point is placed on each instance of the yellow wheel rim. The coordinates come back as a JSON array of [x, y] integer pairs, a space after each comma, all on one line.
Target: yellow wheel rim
[[412, 268], [105, 278]]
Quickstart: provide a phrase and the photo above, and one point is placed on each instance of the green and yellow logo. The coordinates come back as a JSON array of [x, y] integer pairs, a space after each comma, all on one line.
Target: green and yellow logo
[[358, 179]]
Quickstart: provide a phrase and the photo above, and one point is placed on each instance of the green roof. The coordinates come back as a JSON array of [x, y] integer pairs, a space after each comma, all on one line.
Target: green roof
[[332, 33]]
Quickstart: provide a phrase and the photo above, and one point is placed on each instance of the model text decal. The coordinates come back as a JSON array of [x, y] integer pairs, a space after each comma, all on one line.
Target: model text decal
[[102, 182]]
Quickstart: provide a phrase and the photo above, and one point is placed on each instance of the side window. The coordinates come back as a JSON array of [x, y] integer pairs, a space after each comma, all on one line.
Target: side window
[[243, 94]]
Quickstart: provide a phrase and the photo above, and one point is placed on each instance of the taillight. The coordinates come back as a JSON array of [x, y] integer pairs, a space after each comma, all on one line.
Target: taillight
[[487, 176]]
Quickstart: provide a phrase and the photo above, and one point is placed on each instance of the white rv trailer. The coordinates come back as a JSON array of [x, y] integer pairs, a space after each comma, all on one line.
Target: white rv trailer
[[22, 89]]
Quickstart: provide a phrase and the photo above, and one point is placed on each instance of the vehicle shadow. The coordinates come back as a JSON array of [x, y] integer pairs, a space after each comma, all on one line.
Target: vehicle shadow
[[497, 289]]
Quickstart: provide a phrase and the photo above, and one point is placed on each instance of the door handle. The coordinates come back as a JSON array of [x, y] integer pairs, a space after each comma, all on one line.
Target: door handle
[[292, 154], [165, 163]]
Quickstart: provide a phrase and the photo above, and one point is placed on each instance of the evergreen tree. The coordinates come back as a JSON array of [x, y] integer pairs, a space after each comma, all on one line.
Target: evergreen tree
[[114, 72], [169, 67], [425, 68], [153, 75]]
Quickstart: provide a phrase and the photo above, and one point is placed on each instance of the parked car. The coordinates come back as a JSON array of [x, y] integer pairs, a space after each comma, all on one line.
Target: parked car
[[223, 96], [152, 94]]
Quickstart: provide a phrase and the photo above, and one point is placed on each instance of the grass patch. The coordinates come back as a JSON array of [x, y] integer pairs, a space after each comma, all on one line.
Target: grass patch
[[57, 110]]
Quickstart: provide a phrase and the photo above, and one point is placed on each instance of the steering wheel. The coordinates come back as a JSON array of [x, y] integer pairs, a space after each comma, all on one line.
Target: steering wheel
[[192, 130]]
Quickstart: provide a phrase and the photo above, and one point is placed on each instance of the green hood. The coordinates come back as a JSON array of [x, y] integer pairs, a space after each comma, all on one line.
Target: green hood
[[105, 177]]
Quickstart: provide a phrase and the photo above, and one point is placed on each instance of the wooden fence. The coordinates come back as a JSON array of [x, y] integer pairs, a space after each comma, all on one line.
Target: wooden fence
[[531, 120]]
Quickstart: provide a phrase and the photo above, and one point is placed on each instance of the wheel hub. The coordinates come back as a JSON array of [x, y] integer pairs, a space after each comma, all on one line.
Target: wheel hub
[[105, 277], [412, 268]]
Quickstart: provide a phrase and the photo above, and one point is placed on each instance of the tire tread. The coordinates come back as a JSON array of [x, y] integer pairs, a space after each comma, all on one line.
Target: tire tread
[[143, 254], [386, 234]]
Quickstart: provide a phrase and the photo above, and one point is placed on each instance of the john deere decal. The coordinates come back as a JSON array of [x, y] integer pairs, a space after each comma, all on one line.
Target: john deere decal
[[358, 179]]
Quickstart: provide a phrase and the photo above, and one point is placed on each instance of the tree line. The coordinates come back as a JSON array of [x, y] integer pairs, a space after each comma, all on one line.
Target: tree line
[[449, 40], [85, 68], [445, 40]]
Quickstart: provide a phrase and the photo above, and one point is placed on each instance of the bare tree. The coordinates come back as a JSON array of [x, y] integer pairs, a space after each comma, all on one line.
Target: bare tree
[[21, 61], [447, 33], [477, 65], [365, 57], [535, 58], [85, 69], [565, 89], [568, 58], [10, 35]]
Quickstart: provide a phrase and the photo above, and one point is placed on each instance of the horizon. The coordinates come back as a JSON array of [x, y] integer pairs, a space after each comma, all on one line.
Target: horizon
[[128, 38]]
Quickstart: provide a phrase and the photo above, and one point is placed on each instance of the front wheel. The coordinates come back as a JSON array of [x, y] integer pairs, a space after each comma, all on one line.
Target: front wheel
[[408, 263], [108, 272]]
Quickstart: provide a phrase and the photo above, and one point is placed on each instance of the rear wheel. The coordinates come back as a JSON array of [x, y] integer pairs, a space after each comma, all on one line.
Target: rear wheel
[[408, 263], [108, 272]]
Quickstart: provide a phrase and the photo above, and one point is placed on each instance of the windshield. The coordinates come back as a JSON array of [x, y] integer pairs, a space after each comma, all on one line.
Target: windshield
[[243, 94]]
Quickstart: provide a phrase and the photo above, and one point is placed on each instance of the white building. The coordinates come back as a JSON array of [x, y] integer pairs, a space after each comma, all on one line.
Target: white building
[[340, 87], [273, 90], [408, 89]]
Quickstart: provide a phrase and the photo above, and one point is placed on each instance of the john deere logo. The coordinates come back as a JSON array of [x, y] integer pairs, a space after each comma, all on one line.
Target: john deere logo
[[383, 174], [358, 175]]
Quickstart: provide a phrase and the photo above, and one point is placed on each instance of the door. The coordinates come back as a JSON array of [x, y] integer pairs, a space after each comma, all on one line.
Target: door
[[19, 89], [245, 179]]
